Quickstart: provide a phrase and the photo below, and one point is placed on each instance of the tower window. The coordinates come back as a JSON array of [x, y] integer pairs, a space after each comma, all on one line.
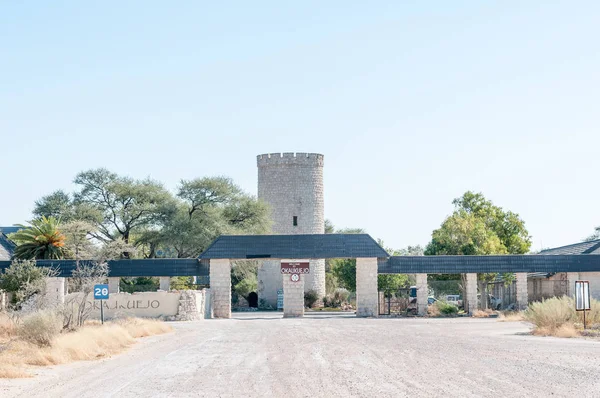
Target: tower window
[[295, 222]]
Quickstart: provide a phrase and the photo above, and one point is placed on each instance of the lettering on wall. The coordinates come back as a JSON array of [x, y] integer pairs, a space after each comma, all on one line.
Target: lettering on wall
[[125, 305]]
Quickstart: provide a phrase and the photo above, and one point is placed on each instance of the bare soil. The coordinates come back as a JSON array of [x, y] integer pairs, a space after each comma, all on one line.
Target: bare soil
[[260, 354]]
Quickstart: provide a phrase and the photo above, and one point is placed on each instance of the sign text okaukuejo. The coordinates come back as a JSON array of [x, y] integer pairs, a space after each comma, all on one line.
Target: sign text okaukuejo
[[295, 268]]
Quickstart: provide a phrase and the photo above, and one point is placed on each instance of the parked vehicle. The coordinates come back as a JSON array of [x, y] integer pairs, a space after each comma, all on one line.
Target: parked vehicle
[[454, 299], [494, 303]]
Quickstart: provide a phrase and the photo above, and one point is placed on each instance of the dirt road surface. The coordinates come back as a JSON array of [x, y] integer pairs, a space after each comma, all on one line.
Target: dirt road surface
[[262, 355]]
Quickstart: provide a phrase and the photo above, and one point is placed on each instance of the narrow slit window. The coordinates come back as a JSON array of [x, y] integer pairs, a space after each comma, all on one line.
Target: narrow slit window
[[295, 222]]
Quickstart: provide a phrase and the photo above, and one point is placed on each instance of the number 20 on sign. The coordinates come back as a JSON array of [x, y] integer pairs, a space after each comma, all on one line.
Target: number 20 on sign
[[101, 293]]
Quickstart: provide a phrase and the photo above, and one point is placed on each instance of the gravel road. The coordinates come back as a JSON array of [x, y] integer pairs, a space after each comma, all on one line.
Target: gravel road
[[262, 355]]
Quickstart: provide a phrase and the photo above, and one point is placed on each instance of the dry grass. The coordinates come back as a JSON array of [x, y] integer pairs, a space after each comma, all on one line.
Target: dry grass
[[551, 313], [433, 310], [566, 330], [8, 328], [88, 343], [483, 314], [557, 317], [511, 316]]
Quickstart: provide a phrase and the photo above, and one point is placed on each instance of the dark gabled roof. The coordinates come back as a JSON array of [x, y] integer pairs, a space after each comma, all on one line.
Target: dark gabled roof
[[9, 230], [589, 247], [7, 248], [294, 246]]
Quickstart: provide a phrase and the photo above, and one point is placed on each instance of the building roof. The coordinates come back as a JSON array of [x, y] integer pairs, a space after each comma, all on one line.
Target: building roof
[[9, 230], [7, 248], [589, 247], [294, 246], [133, 267], [488, 264]]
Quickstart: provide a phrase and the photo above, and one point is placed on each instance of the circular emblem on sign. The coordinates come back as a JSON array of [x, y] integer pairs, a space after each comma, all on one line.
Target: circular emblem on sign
[[294, 277]]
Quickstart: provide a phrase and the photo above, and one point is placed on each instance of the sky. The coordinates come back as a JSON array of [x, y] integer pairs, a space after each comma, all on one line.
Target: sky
[[412, 103]]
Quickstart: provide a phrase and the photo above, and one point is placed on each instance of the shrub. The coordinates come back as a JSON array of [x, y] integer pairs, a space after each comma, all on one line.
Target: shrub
[[310, 298], [446, 308], [337, 298], [25, 279], [246, 286], [551, 313], [40, 328], [331, 283]]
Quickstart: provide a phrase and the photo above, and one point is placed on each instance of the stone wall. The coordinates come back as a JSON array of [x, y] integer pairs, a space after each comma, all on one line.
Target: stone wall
[[220, 284], [186, 305], [292, 185], [366, 287], [55, 291], [269, 281], [471, 293], [422, 294], [521, 287], [293, 297]]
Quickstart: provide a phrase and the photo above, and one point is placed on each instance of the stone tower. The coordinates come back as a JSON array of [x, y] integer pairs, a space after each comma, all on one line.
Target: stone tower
[[292, 184]]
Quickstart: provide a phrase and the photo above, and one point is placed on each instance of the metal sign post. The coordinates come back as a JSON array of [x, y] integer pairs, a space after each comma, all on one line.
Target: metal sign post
[[582, 298], [101, 293]]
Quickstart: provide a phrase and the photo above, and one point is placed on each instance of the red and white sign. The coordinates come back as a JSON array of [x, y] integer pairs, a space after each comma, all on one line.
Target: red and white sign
[[295, 268]]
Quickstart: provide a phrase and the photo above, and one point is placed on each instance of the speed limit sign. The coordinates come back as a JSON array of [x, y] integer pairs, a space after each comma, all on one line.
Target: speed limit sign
[[294, 277]]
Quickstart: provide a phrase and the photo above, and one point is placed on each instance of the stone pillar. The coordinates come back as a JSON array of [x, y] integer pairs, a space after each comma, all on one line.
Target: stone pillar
[[471, 290], [422, 294], [269, 281], [293, 297], [55, 291], [165, 283], [521, 284], [113, 284], [366, 287], [220, 286]]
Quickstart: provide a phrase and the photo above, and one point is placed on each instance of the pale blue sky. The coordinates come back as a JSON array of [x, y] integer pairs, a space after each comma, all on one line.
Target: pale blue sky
[[412, 103]]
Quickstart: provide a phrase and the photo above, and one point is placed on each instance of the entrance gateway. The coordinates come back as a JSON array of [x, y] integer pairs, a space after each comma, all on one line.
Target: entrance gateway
[[371, 260]]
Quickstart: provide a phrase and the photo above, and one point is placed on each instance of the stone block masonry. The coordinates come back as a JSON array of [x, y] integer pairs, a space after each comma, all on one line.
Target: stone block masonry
[[220, 286], [55, 291], [293, 297], [114, 285], [292, 185], [521, 285], [422, 294], [471, 289], [366, 287], [165, 283]]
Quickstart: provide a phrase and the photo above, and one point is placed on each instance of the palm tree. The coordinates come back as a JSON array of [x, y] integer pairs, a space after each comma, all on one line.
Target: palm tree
[[40, 241]]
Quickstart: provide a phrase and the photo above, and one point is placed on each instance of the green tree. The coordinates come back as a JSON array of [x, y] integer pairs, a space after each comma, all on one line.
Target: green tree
[[125, 205], [595, 235], [58, 205], [416, 250], [41, 240], [208, 207], [344, 271], [478, 227]]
